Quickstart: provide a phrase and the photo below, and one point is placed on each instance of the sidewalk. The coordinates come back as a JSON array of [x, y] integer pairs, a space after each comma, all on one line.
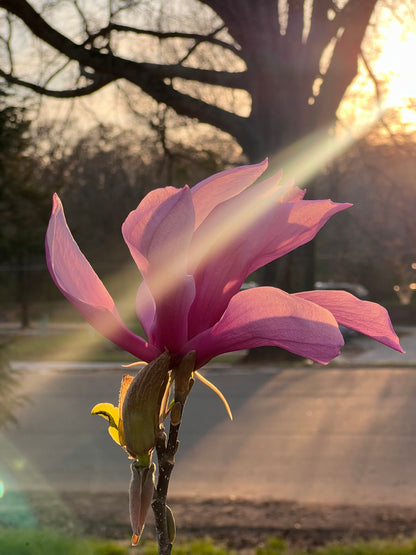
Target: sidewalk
[[362, 351]]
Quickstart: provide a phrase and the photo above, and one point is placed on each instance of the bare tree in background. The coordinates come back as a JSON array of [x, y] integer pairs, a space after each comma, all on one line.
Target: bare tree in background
[[288, 63]]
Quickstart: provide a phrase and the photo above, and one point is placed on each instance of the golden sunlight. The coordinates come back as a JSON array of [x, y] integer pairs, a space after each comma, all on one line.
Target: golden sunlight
[[395, 67]]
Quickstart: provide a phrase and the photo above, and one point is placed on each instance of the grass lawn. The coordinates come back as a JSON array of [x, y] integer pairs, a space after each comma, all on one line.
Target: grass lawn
[[69, 346], [277, 546], [47, 542], [83, 344]]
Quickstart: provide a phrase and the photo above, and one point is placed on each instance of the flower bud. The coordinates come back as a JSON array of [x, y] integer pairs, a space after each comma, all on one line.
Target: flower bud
[[183, 377], [170, 520], [141, 406], [140, 496]]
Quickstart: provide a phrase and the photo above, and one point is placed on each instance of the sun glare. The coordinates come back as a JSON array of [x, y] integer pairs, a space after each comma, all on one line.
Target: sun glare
[[395, 66]]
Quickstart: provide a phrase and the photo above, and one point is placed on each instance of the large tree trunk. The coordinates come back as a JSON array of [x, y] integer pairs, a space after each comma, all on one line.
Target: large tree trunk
[[283, 67]]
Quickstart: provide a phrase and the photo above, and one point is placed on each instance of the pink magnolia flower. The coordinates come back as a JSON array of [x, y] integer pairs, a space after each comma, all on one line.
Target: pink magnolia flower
[[194, 247]]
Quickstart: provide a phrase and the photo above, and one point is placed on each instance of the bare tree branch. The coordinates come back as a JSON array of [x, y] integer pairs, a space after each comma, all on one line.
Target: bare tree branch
[[236, 80], [198, 38], [149, 77], [373, 77], [71, 93], [112, 65], [281, 69], [7, 42], [82, 15], [379, 99], [198, 42]]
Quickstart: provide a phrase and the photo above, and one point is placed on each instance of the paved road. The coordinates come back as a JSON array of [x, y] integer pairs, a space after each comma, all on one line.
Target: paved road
[[312, 435]]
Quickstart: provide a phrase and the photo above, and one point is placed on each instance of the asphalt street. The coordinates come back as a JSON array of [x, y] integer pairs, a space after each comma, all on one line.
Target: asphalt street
[[310, 434]]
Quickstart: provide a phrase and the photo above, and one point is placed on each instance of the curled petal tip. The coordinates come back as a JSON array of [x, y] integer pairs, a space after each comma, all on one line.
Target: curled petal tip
[[135, 540], [56, 201], [365, 317]]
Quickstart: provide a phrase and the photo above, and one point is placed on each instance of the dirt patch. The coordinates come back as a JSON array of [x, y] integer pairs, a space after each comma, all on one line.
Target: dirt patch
[[239, 523]]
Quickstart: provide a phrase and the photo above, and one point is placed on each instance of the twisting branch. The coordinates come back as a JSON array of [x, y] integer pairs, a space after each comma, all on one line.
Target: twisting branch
[[379, 99], [81, 15], [151, 78], [235, 80], [198, 42], [7, 42], [55, 73], [372, 76], [199, 38], [99, 83]]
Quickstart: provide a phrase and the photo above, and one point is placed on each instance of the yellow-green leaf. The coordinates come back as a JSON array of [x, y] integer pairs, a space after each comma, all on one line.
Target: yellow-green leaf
[[114, 433], [108, 411]]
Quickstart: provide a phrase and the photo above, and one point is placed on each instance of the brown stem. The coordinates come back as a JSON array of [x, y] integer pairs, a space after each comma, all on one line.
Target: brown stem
[[166, 449], [166, 458]]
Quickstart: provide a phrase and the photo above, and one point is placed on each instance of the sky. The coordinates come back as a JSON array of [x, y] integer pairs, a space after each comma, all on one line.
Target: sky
[[389, 48], [389, 51], [396, 63]]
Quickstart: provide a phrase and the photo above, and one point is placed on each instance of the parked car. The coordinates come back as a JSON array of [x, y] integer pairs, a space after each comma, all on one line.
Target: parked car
[[355, 288]]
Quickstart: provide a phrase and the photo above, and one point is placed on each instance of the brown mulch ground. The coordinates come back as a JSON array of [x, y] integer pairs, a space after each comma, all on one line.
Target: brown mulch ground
[[238, 523]]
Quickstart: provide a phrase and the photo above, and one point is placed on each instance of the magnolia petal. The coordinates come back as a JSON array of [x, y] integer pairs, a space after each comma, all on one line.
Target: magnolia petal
[[76, 279], [170, 326], [363, 316], [158, 231], [224, 245], [234, 219], [145, 307], [141, 223], [158, 234], [295, 224], [245, 233], [269, 316], [221, 186]]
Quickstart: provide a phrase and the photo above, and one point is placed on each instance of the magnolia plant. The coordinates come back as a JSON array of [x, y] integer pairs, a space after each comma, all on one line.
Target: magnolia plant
[[194, 247]]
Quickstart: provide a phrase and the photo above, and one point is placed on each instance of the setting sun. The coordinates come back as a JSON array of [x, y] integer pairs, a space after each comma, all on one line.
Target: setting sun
[[395, 68]]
